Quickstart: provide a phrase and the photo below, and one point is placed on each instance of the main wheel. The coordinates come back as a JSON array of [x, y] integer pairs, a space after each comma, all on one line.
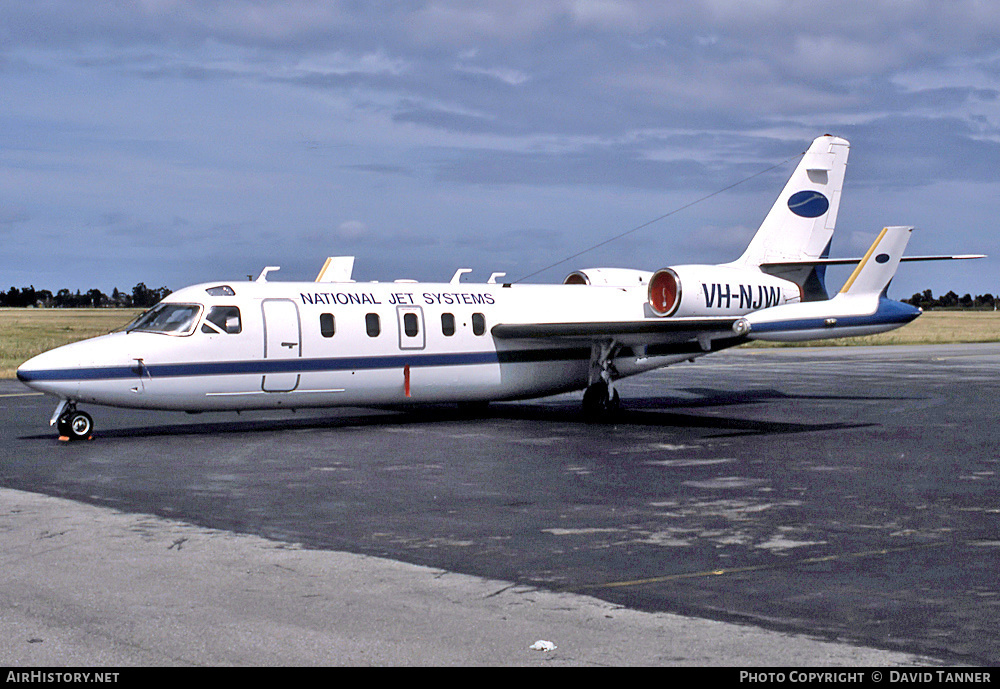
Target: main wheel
[[598, 403]]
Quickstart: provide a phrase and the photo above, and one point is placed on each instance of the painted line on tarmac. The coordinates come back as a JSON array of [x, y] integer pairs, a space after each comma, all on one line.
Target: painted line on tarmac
[[755, 568]]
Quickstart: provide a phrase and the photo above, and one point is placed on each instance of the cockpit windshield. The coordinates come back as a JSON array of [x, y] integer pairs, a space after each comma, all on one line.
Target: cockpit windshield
[[169, 319]]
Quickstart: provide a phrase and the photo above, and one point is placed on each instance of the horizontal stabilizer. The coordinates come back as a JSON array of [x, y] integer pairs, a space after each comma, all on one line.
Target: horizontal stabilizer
[[958, 257], [853, 261]]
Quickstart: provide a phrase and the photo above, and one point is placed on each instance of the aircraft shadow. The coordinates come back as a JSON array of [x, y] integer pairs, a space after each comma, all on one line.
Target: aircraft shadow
[[713, 397], [651, 415], [662, 412]]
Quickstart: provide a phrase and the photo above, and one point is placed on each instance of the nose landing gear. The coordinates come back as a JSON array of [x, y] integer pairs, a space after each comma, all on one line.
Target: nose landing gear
[[72, 423]]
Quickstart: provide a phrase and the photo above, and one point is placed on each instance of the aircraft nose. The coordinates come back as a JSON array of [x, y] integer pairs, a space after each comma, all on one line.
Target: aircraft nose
[[95, 370], [25, 371], [62, 370], [29, 371], [46, 373]]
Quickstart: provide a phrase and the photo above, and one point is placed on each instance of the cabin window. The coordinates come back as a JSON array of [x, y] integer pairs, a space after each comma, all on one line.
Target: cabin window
[[223, 319], [327, 326], [478, 324], [167, 319], [448, 324], [410, 326], [373, 325]]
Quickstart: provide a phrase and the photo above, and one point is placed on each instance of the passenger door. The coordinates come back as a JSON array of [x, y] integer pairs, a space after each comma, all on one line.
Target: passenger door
[[282, 342]]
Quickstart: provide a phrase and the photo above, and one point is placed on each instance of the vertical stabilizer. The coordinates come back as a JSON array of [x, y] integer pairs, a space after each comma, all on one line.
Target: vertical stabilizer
[[800, 224]]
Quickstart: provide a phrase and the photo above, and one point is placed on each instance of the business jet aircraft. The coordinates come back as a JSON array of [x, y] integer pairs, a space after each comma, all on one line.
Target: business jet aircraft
[[333, 342]]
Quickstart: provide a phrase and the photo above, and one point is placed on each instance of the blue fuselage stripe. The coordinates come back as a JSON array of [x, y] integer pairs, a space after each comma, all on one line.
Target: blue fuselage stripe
[[306, 365]]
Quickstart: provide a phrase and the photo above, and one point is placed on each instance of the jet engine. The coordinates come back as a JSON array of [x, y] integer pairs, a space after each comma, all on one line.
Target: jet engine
[[699, 290], [608, 277]]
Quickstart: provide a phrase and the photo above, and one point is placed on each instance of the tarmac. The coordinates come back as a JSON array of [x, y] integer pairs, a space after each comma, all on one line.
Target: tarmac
[[815, 507], [89, 587]]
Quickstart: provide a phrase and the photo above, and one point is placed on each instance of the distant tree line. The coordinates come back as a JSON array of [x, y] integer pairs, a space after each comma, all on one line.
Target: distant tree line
[[144, 297], [926, 300], [141, 297]]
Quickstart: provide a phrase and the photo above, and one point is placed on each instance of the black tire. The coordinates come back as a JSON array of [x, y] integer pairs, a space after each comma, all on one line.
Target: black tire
[[598, 405], [80, 425], [594, 399]]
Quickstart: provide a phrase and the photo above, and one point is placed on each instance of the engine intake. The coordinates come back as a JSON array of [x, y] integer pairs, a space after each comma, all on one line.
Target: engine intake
[[664, 292]]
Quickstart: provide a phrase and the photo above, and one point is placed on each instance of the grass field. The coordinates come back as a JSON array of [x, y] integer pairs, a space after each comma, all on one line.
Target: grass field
[[933, 327], [27, 332]]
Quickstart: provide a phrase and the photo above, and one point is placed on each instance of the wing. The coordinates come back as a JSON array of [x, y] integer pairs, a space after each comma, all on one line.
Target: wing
[[629, 333]]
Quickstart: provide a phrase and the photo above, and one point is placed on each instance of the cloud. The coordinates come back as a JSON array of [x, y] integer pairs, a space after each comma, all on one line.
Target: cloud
[[605, 14], [275, 124], [511, 77], [352, 230], [13, 215], [597, 166]]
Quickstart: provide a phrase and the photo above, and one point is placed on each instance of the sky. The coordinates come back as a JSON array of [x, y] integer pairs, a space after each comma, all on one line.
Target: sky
[[175, 142]]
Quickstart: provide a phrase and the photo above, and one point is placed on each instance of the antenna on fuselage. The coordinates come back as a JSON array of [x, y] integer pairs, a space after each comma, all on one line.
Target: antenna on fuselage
[[263, 274], [457, 277]]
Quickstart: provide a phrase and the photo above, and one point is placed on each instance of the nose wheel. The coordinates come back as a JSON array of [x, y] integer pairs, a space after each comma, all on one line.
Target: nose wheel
[[74, 424]]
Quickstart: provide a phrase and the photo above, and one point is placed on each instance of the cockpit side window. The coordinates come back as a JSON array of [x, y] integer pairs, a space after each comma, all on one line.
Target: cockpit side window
[[167, 319], [224, 320]]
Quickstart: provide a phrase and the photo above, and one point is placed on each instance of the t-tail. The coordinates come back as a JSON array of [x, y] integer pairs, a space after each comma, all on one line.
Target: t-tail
[[860, 308]]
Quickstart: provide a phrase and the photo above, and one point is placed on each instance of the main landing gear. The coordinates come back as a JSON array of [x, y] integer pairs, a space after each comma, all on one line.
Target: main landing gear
[[72, 423], [600, 399]]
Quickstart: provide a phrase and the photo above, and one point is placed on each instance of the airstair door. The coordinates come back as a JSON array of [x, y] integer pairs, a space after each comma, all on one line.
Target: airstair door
[[282, 343]]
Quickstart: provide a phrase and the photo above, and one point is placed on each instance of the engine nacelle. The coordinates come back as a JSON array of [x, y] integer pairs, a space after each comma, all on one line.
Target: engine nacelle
[[609, 277], [716, 291]]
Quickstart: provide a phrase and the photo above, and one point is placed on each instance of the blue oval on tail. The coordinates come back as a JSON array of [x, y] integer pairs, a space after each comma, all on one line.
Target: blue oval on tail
[[808, 204]]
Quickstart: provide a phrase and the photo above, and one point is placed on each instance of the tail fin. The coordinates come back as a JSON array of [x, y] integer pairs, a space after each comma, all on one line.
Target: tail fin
[[800, 224], [877, 268]]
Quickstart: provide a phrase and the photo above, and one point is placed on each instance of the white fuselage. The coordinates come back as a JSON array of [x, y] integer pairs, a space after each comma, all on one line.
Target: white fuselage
[[331, 344]]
